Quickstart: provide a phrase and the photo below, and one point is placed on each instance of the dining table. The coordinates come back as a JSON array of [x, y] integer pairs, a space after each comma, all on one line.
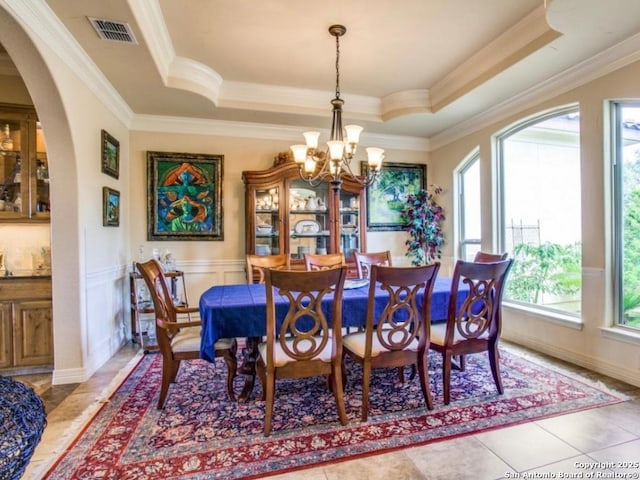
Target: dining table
[[240, 311]]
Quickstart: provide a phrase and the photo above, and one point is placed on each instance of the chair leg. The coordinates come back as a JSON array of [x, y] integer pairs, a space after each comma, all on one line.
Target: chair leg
[[366, 378], [446, 376], [494, 362], [424, 380], [167, 373], [462, 363], [268, 408], [337, 381]]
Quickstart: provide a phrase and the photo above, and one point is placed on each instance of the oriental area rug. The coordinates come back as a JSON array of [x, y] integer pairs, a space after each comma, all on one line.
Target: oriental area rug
[[200, 434]]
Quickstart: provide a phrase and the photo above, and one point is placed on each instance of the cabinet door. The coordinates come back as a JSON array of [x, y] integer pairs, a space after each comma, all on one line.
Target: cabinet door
[[6, 335], [308, 219], [33, 333], [14, 170], [266, 228]]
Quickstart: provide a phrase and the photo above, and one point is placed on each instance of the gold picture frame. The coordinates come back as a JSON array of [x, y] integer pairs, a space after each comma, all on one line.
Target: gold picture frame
[[110, 207], [110, 154]]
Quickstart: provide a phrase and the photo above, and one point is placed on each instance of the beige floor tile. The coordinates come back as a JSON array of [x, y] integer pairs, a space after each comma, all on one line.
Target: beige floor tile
[[461, 458], [566, 468], [527, 446], [311, 474], [388, 466], [621, 458], [587, 431], [625, 415]]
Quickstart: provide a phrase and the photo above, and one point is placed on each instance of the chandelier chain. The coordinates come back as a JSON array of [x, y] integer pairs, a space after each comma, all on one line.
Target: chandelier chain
[[337, 66]]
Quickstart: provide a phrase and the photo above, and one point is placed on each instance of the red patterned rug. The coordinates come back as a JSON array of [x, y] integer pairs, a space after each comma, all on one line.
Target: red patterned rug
[[200, 434]]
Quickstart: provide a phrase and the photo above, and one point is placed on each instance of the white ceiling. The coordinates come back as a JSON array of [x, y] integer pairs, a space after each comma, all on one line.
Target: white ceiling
[[416, 68]]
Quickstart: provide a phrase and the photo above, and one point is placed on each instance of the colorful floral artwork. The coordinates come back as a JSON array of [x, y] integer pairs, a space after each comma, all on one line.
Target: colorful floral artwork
[[185, 196]]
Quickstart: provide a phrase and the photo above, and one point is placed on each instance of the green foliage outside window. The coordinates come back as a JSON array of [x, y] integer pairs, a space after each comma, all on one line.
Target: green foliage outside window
[[546, 269]]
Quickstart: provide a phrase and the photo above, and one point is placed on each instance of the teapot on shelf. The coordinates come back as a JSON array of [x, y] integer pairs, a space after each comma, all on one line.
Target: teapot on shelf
[[314, 203]]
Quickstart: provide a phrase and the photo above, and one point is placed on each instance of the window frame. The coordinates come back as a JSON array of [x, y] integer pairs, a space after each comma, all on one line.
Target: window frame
[[573, 319]]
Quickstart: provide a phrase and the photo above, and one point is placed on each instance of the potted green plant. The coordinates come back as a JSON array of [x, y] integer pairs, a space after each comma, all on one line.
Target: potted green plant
[[423, 217]]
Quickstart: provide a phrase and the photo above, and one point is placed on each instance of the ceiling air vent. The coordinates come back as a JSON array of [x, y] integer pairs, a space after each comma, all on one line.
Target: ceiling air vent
[[113, 30]]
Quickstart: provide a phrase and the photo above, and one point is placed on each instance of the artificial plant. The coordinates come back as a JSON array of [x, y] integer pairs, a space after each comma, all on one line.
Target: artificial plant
[[423, 217]]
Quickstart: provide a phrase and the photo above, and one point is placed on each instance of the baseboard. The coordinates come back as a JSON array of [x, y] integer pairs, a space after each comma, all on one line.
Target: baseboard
[[622, 373]]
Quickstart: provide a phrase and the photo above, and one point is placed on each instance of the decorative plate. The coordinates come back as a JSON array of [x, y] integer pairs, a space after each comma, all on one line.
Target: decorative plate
[[307, 226]]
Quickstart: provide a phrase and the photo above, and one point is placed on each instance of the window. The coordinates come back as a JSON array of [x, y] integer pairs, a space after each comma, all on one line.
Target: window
[[540, 210], [626, 188], [468, 207]]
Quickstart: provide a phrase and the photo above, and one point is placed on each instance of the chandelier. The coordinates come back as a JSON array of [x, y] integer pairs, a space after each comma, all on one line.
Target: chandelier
[[334, 163]]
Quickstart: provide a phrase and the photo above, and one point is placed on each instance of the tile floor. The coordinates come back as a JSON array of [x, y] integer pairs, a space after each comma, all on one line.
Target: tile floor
[[586, 444]]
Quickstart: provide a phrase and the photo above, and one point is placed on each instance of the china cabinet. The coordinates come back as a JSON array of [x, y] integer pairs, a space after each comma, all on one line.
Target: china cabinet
[[26, 324], [24, 177], [286, 214]]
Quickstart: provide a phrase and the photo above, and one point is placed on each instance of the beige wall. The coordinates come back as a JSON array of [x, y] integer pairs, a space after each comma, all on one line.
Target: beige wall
[[589, 343]]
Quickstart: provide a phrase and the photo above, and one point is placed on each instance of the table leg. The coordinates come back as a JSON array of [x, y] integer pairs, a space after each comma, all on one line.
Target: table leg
[[248, 367]]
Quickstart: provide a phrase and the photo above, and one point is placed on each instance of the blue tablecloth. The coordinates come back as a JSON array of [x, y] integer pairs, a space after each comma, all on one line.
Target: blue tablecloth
[[229, 311]]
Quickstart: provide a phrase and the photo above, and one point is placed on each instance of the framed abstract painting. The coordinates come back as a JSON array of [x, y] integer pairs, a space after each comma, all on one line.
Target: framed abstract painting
[[386, 196], [184, 196]]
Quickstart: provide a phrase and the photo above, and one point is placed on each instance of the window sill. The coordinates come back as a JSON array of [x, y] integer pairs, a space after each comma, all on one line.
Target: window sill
[[621, 333], [565, 320]]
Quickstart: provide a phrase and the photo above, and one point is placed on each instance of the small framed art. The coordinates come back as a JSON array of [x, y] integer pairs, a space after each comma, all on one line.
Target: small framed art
[[110, 207], [110, 155]]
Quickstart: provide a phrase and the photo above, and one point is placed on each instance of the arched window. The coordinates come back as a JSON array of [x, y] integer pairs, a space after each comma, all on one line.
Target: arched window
[[468, 209], [540, 209]]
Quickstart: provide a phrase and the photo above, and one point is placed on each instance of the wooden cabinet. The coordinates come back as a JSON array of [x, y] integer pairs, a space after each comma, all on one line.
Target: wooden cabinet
[[26, 323], [286, 214], [24, 177]]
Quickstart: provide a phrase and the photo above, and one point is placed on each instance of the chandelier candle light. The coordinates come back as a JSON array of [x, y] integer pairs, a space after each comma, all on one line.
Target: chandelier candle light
[[316, 165]]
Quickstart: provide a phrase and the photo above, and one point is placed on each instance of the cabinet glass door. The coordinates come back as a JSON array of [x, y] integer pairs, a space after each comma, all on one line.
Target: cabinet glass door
[[42, 203], [350, 223], [308, 219], [13, 173], [267, 234]]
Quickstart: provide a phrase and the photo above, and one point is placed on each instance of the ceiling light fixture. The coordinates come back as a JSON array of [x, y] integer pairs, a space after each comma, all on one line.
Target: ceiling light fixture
[[334, 163]]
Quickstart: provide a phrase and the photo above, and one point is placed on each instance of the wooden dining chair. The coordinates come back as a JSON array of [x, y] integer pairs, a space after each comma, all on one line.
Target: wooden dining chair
[[256, 265], [485, 257], [314, 261], [179, 340], [305, 343], [399, 336], [474, 327], [364, 261]]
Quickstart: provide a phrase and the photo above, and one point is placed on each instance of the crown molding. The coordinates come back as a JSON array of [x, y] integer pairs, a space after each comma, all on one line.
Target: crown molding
[[528, 35], [601, 64], [39, 21], [194, 126]]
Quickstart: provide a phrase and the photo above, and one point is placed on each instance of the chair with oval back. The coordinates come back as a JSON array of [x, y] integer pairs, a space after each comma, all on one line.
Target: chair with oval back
[[305, 343], [314, 261], [474, 327], [486, 257], [364, 261], [257, 263], [179, 340], [399, 336]]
